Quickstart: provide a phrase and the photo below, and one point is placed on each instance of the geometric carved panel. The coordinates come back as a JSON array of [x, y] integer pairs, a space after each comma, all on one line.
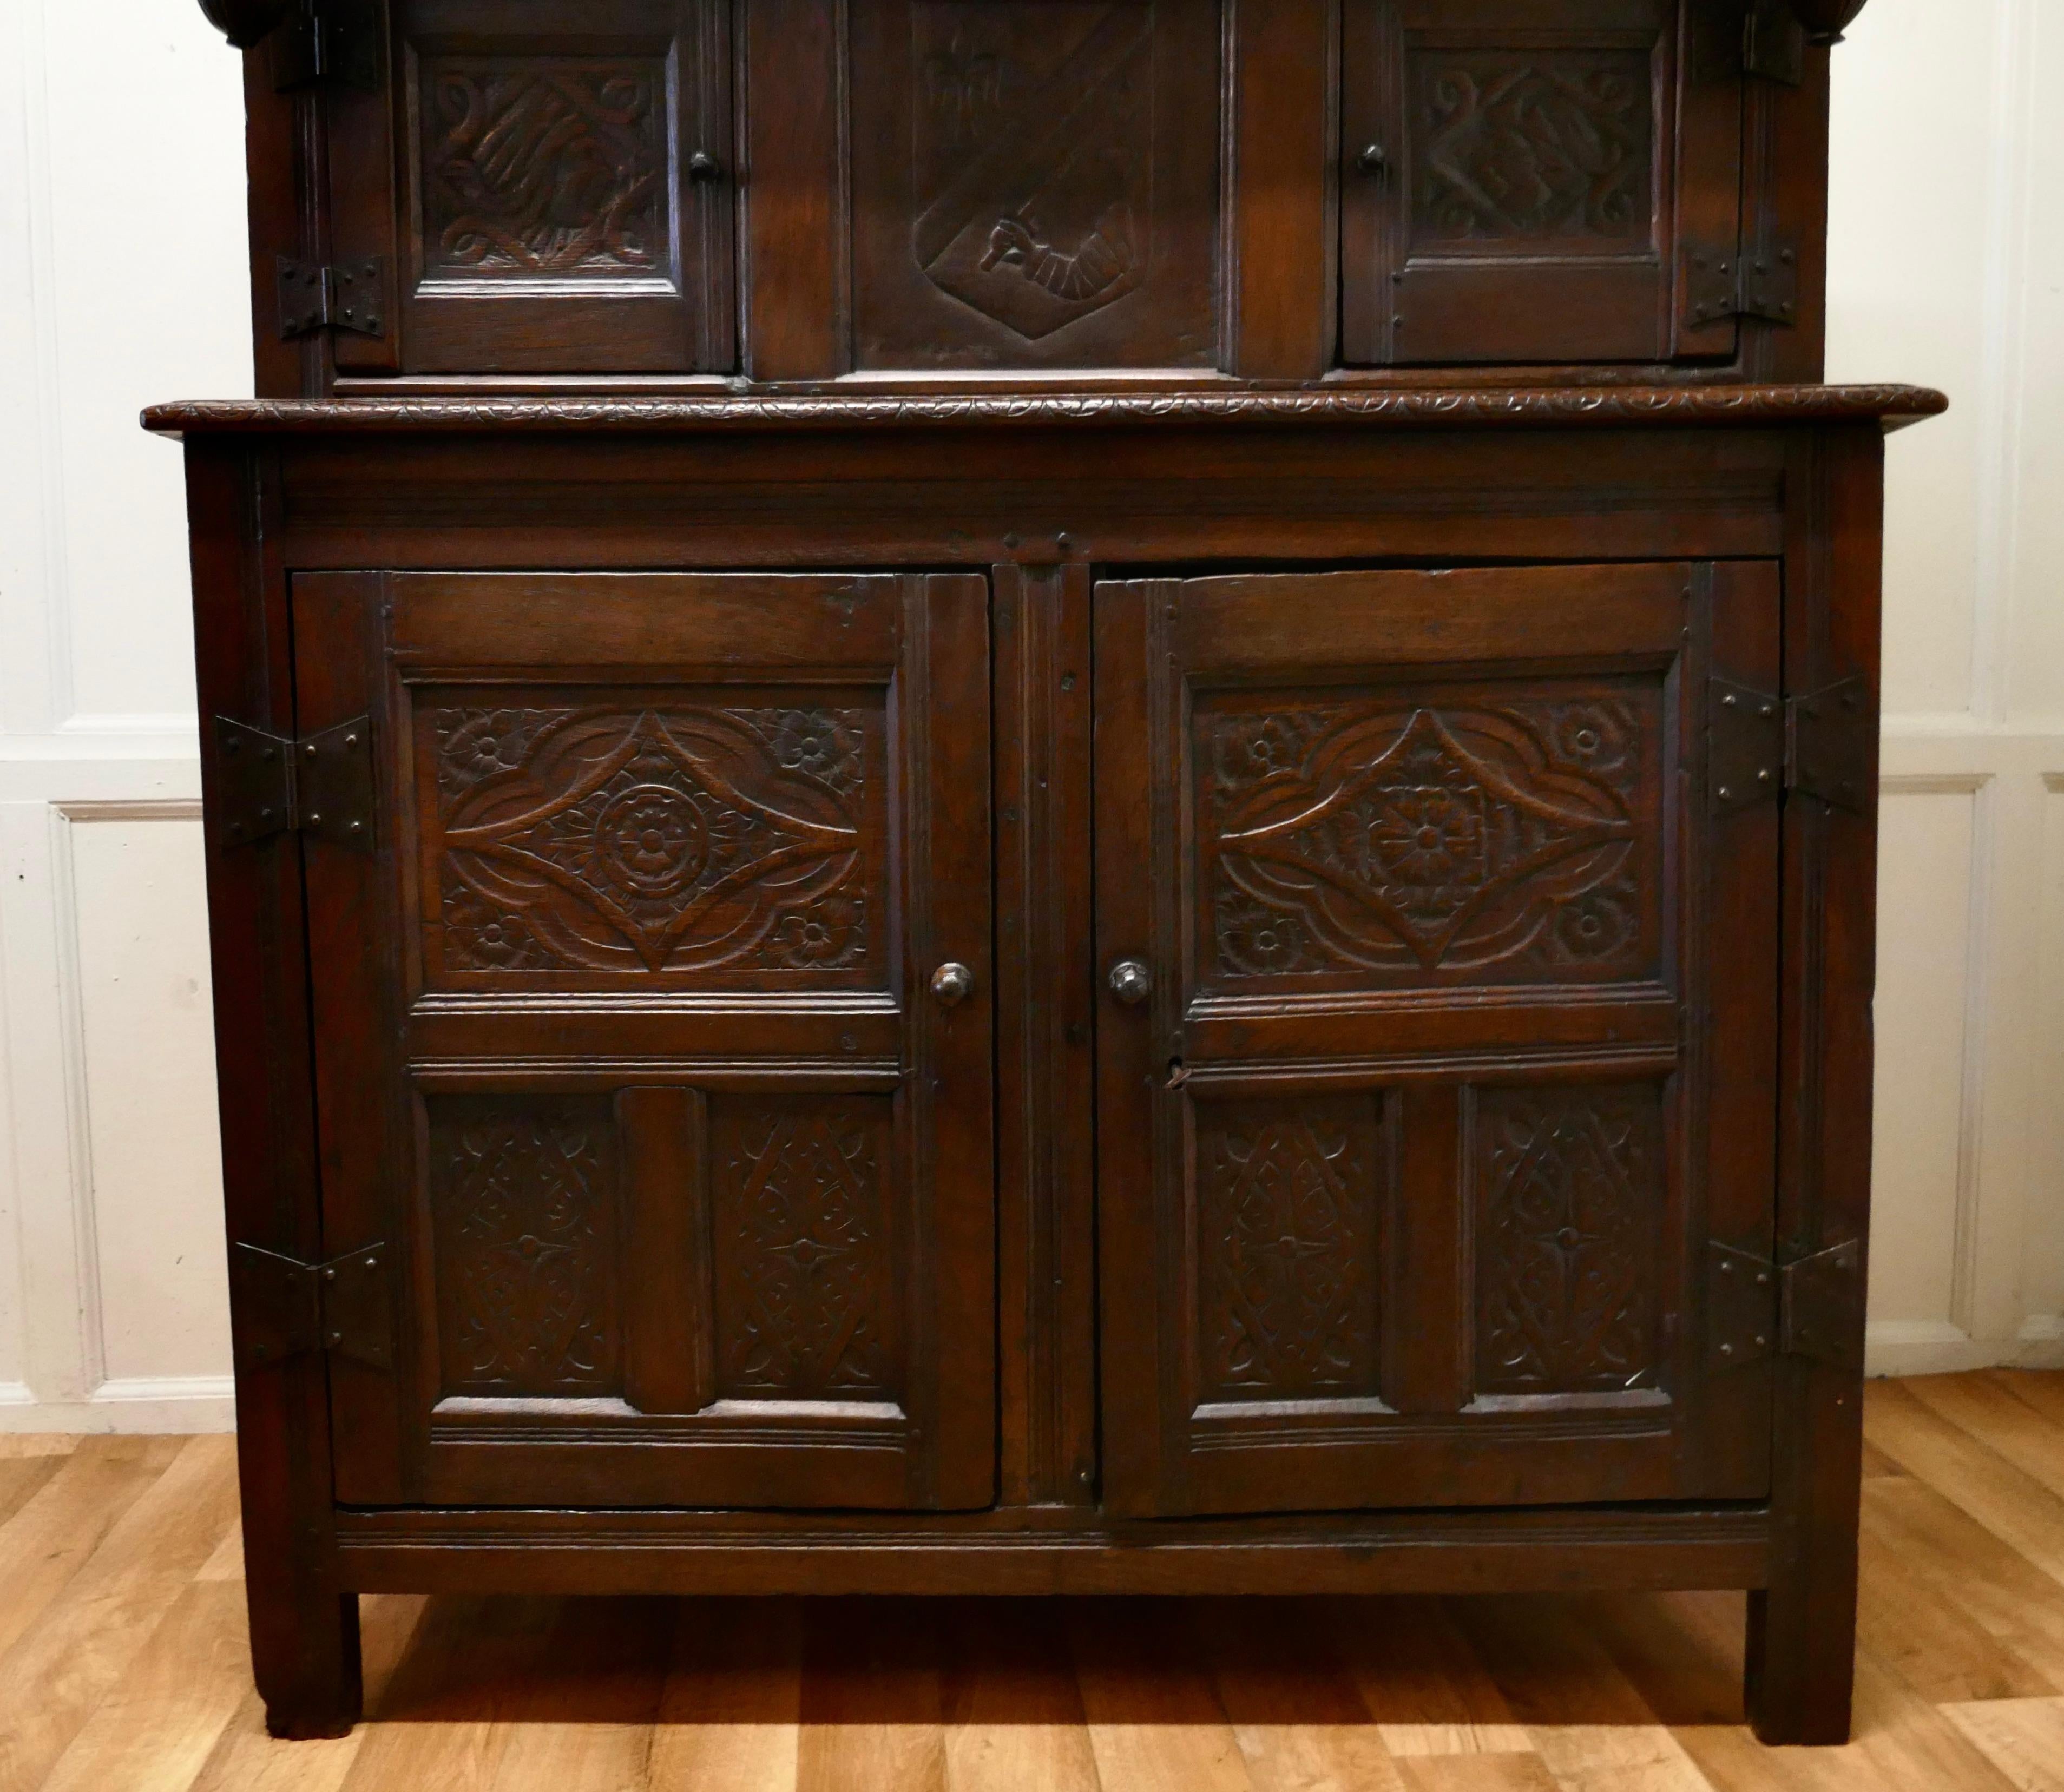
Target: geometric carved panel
[[804, 1297], [670, 837], [1571, 1184], [1289, 1218], [1034, 157], [552, 166], [524, 1206], [1540, 147], [1483, 838], [1035, 182]]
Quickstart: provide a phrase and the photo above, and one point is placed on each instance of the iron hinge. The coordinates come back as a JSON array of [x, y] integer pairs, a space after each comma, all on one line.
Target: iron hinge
[[352, 295], [1830, 738], [1811, 1308], [284, 1307], [328, 42], [1741, 1307], [321, 785], [1745, 746], [1725, 283], [1822, 1316], [1760, 745]]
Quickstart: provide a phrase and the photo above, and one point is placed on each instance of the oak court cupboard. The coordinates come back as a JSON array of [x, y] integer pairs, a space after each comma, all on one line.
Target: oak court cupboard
[[1042, 795]]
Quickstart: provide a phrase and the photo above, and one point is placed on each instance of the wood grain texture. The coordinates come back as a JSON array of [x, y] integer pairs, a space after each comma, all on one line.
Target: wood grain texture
[[133, 1674]]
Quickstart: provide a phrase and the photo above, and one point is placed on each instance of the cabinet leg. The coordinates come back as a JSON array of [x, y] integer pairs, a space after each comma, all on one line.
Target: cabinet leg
[[306, 1664], [1801, 1668], [304, 1625]]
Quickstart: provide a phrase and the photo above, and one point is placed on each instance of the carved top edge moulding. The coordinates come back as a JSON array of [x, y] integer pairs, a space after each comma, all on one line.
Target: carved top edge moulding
[[1894, 405]]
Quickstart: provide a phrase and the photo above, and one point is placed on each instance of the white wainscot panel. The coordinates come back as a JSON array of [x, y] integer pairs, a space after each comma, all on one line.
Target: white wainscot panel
[[1920, 1221], [2041, 1265], [145, 1059]]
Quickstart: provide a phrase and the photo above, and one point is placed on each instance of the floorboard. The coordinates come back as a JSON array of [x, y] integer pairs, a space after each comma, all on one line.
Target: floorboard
[[124, 1664]]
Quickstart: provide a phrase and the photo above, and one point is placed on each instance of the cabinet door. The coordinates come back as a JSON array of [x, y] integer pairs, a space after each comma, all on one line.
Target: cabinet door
[[1538, 180], [627, 1041], [1440, 1047], [565, 200]]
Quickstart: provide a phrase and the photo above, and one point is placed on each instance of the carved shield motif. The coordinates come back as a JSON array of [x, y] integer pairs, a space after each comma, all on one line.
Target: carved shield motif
[[1033, 129]]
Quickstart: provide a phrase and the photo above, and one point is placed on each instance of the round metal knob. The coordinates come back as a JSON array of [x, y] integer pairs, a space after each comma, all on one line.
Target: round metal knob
[[1130, 982], [953, 985], [1373, 160], [703, 166]]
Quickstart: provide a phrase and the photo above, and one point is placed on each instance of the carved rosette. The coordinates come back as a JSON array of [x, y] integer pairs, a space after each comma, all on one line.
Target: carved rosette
[[1416, 843], [650, 840]]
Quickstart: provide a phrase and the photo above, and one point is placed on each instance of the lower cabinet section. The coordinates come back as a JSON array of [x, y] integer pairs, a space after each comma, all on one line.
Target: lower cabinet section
[[1436, 1042]]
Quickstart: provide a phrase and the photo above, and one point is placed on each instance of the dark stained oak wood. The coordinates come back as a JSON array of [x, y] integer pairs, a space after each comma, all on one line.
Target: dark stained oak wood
[[1477, 794], [724, 797], [1047, 906]]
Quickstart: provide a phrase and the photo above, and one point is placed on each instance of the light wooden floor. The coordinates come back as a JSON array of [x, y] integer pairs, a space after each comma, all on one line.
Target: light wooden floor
[[123, 1667]]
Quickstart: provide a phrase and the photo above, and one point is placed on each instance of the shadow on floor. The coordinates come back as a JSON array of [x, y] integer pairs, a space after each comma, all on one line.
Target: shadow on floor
[[1473, 1663]]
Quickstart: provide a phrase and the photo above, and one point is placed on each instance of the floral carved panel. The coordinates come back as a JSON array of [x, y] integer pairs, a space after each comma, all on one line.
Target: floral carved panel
[[804, 1308], [1289, 1204], [1537, 146], [670, 838], [525, 1213], [1571, 1187], [1477, 836], [544, 166]]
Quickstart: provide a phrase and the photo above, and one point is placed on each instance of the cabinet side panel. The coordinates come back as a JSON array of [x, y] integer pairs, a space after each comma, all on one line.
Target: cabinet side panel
[[1802, 1631], [304, 1628]]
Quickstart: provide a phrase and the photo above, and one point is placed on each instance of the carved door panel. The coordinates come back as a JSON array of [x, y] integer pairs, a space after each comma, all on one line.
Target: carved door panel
[[1035, 183], [552, 183], [1439, 1043], [1542, 181], [628, 1044]]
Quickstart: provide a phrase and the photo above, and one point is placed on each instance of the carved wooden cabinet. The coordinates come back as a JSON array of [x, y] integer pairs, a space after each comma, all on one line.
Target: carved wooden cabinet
[[1042, 795]]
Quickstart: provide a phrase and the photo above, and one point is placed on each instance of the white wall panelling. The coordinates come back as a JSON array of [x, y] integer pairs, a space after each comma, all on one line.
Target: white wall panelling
[[1945, 270], [121, 137], [121, 140]]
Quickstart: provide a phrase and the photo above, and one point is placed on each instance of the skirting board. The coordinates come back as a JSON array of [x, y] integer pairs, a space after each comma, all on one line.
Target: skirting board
[[164, 1403], [184, 1404], [1897, 1347]]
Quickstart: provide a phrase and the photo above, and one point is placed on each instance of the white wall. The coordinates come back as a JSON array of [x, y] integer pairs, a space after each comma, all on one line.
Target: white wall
[[1948, 255], [121, 246], [121, 251]]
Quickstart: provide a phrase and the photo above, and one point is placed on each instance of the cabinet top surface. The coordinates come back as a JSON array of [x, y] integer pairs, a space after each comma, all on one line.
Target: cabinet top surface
[[1428, 407]]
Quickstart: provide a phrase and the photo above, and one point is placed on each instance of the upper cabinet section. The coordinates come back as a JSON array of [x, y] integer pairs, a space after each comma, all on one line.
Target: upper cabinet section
[[542, 193], [560, 186], [1539, 180]]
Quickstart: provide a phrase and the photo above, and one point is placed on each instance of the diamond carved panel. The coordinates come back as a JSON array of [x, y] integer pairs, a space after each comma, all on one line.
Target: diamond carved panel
[[544, 166], [1536, 146], [668, 838], [1571, 1185], [524, 1202], [1289, 1205], [1483, 838], [1034, 157], [803, 1302]]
